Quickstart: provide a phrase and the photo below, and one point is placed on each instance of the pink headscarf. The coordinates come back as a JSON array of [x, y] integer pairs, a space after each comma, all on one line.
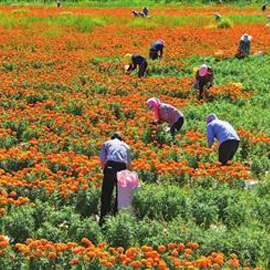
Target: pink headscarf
[[154, 103], [203, 70], [161, 41], [210, 118]]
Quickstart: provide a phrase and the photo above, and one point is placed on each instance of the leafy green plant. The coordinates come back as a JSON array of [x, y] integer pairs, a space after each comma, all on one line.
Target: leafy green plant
[[18, 224], [121, 230], [165, 202]]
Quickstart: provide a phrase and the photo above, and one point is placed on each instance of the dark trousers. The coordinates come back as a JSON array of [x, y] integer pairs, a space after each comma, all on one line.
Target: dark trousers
[[227, 150], [142, 68], [202, 85], [153, 54], [109, 182], [177, 126]]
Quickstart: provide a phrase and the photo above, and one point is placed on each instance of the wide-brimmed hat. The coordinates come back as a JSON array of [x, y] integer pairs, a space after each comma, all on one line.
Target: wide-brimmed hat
[[127, 57], [246, 37]]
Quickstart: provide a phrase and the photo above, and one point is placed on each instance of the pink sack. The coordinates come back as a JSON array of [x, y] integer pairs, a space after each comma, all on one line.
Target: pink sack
[[127, 179]]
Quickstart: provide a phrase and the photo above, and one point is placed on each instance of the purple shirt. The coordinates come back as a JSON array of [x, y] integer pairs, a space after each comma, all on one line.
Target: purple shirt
[[115, 150], [169, 114]]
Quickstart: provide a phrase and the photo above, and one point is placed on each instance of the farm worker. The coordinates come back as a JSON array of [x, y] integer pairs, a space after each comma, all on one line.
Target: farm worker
[[264, 7], [244, 46], [204, 77], [114, 157], [136, 13], [58, 2], [166, 113], [135, 60], [156, 49], [225, 134], [145, 11], [217, 16]]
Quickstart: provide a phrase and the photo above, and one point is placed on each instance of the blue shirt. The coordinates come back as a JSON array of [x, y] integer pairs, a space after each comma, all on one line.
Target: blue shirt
[[115, 150], [137, 59], [157, 46], [222, 131]]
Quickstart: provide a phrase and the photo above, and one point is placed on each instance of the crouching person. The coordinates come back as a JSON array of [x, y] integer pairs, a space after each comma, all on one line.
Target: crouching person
[[165, 113], [204, 79], [244, 46], [114, 157], [156, 50], [135, 60], [225, 134]]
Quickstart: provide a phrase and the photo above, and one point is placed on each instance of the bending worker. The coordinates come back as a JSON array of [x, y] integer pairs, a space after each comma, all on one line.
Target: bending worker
[[225, 134], [204, 78], [244, 46], [165, 113], [156, 50], [134, 61], [114, 157]]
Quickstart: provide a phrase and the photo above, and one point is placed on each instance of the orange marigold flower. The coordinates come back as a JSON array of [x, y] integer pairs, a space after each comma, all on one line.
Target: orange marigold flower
[[74, 261], [161, 249]]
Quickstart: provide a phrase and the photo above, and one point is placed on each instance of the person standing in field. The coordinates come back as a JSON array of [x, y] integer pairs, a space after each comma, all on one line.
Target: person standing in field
[[135, 60], [58, 3], [244, 46], [165, 113], [226, 136], [204, 78], [156, 50], [114, 157]]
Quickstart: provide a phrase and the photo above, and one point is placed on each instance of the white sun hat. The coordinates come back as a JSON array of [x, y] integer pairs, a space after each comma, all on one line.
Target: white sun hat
[[246, 37]]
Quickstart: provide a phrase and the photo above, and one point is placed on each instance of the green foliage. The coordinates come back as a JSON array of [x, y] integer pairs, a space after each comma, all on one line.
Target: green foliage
[[18, 225], [259, 166], [87, 228], [120, 230], [87, 202], [224, 23], [164, 203]]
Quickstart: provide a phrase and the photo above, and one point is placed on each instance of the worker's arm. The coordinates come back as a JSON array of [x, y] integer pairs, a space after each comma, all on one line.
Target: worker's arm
[[161, 53], [210, 136], [129, 160], [103, 155]]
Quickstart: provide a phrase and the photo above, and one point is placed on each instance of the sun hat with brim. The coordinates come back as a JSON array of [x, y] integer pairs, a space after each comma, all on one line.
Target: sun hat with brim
[[203, 70], [127, 57], [246, 37]]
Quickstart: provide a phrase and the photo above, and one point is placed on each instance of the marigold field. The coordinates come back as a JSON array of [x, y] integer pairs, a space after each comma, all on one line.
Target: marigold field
[[63, 90]]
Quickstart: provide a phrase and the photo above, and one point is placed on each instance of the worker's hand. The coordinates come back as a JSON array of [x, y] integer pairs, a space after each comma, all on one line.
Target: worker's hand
[[127, 69], [153, 123]]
